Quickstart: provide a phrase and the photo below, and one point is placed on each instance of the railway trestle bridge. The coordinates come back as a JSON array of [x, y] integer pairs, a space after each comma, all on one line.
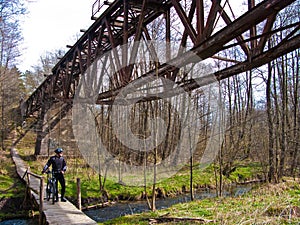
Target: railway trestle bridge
[[206, 29]]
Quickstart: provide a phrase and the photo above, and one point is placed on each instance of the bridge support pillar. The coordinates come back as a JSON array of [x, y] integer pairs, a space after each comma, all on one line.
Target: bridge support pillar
[[39, 130], [54, 129]]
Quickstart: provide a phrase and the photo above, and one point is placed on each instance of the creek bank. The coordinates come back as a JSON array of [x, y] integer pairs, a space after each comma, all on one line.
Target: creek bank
[[123, 208], [105, 201], [15, 210]]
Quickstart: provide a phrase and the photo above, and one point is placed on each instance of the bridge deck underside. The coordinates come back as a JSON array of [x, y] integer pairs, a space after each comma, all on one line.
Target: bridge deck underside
[[207, 31]]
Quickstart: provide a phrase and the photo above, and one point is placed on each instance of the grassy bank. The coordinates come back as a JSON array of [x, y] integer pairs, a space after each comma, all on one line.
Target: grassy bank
[[267, 204], [12, 191]]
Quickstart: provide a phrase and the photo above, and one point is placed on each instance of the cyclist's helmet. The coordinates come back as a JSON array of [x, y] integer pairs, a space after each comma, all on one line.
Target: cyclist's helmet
[[58, 150]]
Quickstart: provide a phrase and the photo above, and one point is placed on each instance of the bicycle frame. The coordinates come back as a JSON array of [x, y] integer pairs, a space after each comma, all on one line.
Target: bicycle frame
[[51, 190]]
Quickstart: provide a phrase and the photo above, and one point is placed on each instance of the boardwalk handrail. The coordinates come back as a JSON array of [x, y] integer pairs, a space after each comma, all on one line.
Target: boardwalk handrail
[[48, 214], [41, 191]]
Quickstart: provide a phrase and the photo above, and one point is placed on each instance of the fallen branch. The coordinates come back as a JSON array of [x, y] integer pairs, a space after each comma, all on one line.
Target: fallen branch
[[251, 181], [97, 206], [178, 219]]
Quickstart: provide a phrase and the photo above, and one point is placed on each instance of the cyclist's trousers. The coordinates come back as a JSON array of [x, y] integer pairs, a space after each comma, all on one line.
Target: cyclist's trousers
[[60, 177]]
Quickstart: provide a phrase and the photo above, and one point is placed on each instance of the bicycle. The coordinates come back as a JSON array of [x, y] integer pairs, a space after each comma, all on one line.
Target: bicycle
[[51, 191]]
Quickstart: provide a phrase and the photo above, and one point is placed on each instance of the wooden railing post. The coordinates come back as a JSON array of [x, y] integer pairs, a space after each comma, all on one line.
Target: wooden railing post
[[28, 179], [41, 208], [78, 194]]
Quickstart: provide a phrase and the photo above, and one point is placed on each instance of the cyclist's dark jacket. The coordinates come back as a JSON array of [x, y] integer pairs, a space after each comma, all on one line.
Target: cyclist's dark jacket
[[58, 164]]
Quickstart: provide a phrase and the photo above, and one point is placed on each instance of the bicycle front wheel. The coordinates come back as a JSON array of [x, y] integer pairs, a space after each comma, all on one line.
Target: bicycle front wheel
[[53, 192], [48, 191]]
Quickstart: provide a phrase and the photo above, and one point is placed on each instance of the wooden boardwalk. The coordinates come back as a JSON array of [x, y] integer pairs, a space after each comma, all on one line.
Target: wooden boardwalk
[[61, 212]]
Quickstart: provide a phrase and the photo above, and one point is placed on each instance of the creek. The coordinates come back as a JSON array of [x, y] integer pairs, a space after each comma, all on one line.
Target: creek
[[133, 207], [20, 222]]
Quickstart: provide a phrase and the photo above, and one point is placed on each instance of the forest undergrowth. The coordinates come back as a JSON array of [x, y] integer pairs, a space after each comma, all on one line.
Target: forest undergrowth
[[266, 203]]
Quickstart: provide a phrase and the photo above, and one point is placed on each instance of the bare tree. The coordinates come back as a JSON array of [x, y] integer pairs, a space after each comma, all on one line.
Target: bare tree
[[10, 37]]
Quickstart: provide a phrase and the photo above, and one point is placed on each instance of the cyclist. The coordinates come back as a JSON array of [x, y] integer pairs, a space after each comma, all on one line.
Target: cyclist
[[59, 167]]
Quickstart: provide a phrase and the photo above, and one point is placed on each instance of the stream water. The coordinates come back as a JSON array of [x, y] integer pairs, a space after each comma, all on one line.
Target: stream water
[[121, 209], [20, 222]]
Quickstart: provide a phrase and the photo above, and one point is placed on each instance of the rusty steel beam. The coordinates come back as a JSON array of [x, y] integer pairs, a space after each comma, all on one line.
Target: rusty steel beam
[[239, 26], [105, 35], [192, 84], [200, 16], [215, 43], [97, 33], [267, 28], [208, 29], [257, 61], [253, 32], [185, 20], [239, 38]]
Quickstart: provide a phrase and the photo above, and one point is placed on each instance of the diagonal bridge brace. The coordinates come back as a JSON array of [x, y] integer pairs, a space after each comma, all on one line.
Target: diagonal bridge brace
[[211, 46], [206, 48]]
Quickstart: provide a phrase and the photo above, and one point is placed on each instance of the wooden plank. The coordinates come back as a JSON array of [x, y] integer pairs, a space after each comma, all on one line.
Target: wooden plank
[[63, 213]]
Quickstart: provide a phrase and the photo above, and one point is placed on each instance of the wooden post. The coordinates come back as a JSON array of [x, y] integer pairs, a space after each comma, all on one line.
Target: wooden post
[[78, 194], [28, 179], [41, 200]]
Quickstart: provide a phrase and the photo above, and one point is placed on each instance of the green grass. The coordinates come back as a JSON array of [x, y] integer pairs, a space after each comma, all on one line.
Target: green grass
[[269, 204], [12, 190], [10, 185], [172, 186], [245, 171], [77, 168]]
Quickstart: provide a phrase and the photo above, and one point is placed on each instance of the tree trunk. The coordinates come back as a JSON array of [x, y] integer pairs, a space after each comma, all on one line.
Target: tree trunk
[[271, 172], [296, 119]]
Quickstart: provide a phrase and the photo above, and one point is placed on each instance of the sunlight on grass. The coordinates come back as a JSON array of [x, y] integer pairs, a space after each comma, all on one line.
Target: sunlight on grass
[[271, 204]]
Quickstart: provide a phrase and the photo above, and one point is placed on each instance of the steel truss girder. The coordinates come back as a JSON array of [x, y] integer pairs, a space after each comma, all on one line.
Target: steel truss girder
[[127, 20]]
